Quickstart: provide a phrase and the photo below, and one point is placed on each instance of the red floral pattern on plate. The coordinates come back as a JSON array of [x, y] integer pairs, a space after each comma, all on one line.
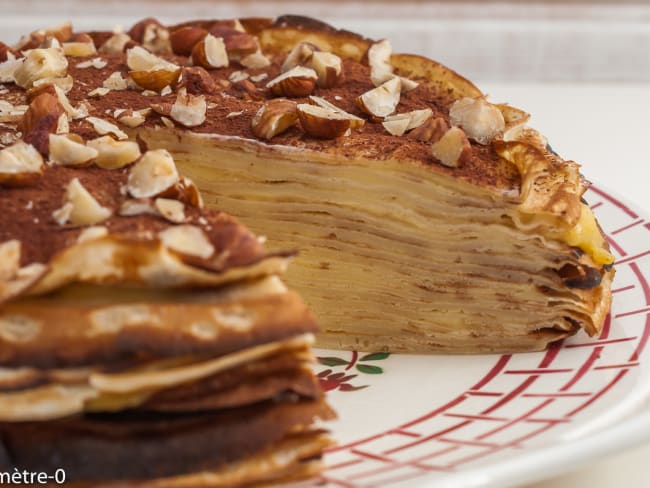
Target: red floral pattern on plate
[[331, 380]]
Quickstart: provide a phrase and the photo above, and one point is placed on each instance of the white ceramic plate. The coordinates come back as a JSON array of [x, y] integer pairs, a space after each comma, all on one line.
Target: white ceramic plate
[[479, 421]]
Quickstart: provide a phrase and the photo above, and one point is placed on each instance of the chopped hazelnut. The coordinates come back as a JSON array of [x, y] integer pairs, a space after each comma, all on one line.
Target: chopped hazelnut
[[184, 39], [170, 209], [431, 131], [115, 82], [197, 81], [189, 110], [481, 120], [255, 61], [97, 63], [322, 122], [398, 124], [112, 154], [452, 149], [116, 43], [274, 117], [153, 174], [210, 53], [355, 122], [103, 127], [381, 101], [68, 151], [300, 55], [297, 82], [40, 120], [39, 64], [80, 207], [156, 39], [133, 118], [79, 48], [20, 165], [329, 68], [187, 239]]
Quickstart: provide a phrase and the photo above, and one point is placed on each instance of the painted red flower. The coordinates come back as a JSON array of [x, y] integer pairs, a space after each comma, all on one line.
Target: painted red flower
[[332, 381]]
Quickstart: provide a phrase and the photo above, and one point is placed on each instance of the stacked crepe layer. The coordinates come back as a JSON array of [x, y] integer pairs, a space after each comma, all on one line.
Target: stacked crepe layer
[[229, 420], [390, 267], [499, 254], [442, 223], [143, 351]]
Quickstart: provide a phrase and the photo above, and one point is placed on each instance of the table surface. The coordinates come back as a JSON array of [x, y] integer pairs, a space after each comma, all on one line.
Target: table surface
[[604, 127]]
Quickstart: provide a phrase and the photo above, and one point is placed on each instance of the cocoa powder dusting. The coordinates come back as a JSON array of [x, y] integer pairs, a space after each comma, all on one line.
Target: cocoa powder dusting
[[27, 217], [372, 141]]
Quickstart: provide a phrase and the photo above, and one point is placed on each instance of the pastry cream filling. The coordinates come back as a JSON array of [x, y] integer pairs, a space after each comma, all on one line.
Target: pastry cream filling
[[586, 235]]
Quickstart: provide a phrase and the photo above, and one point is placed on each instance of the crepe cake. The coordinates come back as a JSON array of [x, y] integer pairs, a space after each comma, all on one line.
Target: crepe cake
[[145, 341], [429, 218]]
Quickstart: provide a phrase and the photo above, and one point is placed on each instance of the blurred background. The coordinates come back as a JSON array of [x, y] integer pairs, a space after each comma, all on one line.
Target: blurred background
[[547, 40]]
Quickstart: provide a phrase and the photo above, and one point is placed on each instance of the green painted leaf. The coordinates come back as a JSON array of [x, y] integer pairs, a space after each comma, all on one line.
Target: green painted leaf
[[375, 356], [332, 361], [369, 369]]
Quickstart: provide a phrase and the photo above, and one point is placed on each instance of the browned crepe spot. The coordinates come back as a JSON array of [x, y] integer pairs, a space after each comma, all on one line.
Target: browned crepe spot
[[72, 339], [133, 446]]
